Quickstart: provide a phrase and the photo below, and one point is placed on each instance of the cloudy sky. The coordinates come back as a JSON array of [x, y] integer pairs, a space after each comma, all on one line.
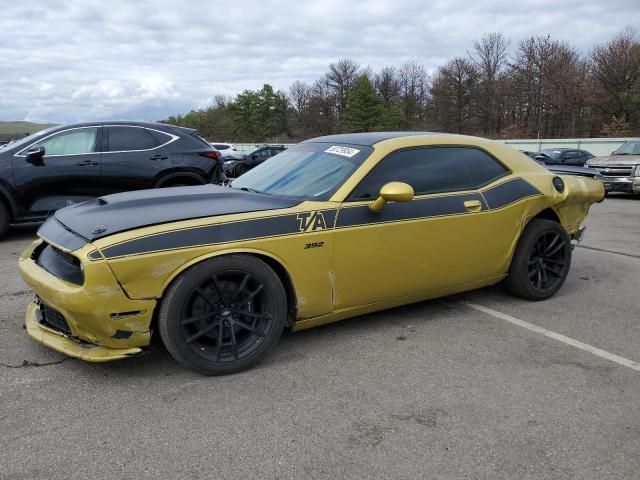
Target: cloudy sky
[[65, 61]]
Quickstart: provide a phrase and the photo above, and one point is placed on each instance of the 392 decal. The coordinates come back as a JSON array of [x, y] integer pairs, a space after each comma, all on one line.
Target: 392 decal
[[313, 245]]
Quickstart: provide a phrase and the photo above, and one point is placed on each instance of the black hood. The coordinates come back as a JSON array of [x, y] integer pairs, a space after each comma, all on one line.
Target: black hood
[[112, 214]]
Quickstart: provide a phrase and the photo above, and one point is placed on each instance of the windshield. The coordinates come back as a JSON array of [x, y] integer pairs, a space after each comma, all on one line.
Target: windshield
[[551, 153], [628, 148], [31, 138], [308, 170]]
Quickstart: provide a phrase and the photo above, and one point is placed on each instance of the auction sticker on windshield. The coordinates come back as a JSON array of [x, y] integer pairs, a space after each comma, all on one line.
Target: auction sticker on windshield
[[344, 151]]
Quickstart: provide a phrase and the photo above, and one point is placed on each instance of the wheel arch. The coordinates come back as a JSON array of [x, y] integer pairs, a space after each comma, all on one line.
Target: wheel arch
[[167, 179], [273, 261], [547, 214]]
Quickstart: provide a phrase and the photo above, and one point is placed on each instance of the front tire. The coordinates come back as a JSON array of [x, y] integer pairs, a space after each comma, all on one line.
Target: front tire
[[541, 262], [223, 315], [5, 219]]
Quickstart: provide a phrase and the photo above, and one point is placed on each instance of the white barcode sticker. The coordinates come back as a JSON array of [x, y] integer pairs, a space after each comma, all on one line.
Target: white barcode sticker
[[344, 151]]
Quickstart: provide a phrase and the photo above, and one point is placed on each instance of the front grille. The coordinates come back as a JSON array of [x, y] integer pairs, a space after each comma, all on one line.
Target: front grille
[[621, 171], [54, 319]]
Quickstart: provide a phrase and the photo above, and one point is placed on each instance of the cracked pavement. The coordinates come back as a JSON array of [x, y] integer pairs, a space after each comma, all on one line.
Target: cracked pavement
[[431, 390]]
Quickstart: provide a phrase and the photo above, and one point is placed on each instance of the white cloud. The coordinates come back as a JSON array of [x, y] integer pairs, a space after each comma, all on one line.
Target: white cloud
[[65, 61]]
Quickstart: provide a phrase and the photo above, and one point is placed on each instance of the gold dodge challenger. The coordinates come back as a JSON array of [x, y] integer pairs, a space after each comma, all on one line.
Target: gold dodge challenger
[[335, 227]]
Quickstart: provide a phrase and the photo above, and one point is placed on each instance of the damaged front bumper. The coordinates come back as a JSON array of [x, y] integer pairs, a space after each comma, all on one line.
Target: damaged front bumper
[[69, 346], [94, 321]]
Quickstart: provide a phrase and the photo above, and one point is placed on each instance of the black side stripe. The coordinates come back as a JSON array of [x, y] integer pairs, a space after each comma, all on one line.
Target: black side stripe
[[418, 208], [493, 198], [214, 234], [509, 192]]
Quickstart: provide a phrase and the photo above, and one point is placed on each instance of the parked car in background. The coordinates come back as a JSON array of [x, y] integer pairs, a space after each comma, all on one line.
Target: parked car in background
[[227, 150], [621, 169], [540, 157], [564, 156], [69, 164], [235, 168]]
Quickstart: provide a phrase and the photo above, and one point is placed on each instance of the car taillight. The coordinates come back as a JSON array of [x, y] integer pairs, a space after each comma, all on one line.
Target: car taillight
[[214, 155]]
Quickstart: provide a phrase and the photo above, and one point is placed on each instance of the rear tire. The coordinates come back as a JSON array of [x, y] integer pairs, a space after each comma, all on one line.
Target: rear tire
[[541, 261], [223, 315], [5, 219]]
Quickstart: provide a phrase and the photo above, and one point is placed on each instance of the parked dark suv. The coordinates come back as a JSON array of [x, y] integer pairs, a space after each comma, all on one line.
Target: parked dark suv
[[69, 164]]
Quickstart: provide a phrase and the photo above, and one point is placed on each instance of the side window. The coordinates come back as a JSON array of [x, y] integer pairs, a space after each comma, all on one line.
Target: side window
[[219, 146], [159, 137], [130, 138], [427, 170], [481, 166], [71, 142], [432, 170]]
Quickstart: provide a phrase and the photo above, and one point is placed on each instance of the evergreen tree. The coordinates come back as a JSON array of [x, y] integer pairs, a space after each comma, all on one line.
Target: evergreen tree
[[363, 110]]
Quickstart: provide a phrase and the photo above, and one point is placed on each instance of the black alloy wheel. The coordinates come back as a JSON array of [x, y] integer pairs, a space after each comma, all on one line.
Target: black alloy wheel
[[241, 170], [548, 261], [541, 262], [224, 315]]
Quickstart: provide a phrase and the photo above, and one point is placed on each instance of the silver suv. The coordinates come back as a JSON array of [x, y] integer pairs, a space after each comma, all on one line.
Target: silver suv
[[621, 169]]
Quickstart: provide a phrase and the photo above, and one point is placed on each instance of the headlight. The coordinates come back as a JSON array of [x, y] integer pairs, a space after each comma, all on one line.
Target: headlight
[[637, 170], [229, 162]]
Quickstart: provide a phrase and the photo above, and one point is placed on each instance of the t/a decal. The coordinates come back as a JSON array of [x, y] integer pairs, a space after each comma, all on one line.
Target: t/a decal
[[311, 221]]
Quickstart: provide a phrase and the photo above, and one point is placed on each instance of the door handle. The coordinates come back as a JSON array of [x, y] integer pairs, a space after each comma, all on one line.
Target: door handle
[[473, 205], [87, 163], [155, 158]]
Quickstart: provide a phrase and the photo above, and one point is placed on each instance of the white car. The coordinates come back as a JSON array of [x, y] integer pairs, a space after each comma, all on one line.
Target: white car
[[227, 150]]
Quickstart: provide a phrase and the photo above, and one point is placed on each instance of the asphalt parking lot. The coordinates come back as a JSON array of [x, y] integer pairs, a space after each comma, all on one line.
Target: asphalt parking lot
[[453, 388]]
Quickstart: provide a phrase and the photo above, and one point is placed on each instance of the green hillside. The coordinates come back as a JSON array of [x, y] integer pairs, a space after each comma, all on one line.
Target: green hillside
[[20, 129]]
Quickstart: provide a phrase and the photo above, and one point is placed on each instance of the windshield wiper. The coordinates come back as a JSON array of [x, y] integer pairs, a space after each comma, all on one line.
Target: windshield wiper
[[622, 153]]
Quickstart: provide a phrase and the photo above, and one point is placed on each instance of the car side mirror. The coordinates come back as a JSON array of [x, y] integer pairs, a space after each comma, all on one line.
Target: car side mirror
[[392, 192], [35, 154]]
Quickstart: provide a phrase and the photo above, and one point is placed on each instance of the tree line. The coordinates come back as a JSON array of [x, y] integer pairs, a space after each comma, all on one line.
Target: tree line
[[541, 87]]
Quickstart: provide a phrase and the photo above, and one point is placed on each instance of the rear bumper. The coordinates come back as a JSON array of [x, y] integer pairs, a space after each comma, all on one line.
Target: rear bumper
[[622, 184], [95, 321]]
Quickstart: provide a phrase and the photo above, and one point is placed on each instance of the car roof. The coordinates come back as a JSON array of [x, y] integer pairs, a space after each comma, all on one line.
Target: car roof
[[158, 126], [369, 139]]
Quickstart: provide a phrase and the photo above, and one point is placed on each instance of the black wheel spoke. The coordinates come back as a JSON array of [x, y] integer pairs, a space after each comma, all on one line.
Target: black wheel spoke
[[560, 263], [192, 320], [551, 244], [251, 328], [539, 279], [219, 342], [245, 313], [241, 287], [201, 333], [234, 343], [556, 249], [214, 279], [255, 292], [205, 297], [552, 271]]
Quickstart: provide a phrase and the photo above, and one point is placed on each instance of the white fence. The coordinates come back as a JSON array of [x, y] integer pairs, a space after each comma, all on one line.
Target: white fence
[[597, 146]]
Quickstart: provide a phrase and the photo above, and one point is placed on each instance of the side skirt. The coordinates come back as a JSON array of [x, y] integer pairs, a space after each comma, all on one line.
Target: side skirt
[[395, 302]]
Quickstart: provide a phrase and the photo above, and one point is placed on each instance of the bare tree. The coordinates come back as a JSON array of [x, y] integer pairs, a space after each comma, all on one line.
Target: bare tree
[[387, 84], [616, 71], [342, 75], [489, 57]]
